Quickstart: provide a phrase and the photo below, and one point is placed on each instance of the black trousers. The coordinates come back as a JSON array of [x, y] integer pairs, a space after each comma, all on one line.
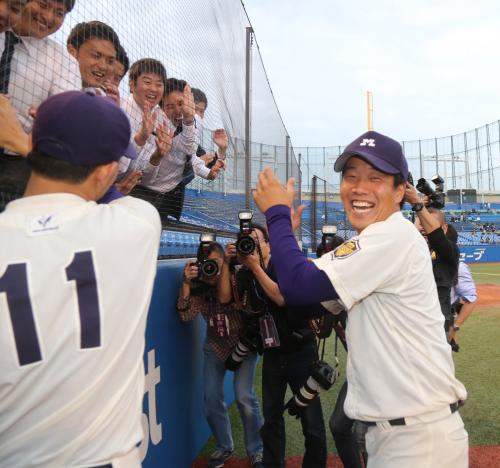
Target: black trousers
[[280, 369], [348, 436], [167, 204]]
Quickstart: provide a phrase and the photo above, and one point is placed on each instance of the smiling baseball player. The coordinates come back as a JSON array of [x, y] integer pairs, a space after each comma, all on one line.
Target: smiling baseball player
[[400, 370]]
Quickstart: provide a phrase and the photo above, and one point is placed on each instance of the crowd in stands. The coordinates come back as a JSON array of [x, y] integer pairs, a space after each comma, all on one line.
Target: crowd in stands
[[165, 113]]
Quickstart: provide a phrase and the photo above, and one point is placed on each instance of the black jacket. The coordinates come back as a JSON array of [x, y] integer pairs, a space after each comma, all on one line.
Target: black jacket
[[445, 257]]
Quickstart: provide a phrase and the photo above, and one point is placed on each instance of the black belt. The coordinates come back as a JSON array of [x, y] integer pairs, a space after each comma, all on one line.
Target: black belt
[[402, 421], [109, 465]]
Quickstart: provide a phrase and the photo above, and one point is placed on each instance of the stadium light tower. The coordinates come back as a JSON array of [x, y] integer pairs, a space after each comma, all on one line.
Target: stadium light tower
[[369, 109]]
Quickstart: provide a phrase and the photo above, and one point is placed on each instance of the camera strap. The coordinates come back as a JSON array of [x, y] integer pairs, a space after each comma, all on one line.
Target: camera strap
[[268, 331], [322, 344]]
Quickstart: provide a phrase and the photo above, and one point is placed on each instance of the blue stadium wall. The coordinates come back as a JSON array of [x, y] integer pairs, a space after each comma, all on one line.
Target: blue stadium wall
[[480, 253], [173, 422], [174, 425]]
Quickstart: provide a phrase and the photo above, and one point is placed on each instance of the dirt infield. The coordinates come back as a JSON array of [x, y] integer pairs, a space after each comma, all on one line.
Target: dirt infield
[[488, 295], [479, 457]]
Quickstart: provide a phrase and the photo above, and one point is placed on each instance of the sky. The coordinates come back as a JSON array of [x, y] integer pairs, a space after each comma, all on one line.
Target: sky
[[433, 66]]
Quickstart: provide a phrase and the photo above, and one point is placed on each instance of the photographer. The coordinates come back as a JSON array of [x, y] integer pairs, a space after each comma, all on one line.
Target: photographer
[[288, 362], [431, 223], [198, 293]]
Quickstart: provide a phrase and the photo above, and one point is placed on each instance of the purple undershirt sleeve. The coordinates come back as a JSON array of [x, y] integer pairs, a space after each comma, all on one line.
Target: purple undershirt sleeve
[[112, 194], [300, 281]]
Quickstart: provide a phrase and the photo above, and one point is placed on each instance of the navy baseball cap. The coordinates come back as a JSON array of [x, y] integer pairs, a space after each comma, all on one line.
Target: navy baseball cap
[[82, 129], [382, 152]]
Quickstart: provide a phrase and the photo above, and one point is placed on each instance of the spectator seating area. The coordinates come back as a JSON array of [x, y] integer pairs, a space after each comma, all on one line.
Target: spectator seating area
[[476, 224]]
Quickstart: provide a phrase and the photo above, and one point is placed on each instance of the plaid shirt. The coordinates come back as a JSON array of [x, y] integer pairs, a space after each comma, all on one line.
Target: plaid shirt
[[209, 307]]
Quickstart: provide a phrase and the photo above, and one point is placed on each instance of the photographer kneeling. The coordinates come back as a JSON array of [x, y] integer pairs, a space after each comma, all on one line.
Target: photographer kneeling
[[198, 293], [289, 351], [431, 223]]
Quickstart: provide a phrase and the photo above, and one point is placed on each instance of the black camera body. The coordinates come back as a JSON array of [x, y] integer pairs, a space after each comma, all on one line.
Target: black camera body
[[322, 377], [245, 244], [206, 267], [329, 238], [436, 196]]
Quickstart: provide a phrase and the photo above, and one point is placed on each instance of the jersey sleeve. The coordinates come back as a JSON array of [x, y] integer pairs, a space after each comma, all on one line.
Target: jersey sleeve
[[368, 263]]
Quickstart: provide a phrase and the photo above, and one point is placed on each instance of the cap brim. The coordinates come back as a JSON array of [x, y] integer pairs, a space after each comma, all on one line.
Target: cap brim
[[376, 162], [130, 152]]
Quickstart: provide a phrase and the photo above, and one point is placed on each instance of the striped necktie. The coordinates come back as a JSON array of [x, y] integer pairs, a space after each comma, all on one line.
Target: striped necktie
[[5, 61]]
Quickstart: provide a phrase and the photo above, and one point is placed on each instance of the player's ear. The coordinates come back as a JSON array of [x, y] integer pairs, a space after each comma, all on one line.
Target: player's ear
[[399, 192], [105, 175]]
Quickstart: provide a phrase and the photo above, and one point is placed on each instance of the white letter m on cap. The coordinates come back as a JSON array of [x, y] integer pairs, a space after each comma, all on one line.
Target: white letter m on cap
[[367, 142]]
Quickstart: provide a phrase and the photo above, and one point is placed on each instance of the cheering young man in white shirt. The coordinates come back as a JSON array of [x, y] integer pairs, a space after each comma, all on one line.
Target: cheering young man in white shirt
[[37, 67]]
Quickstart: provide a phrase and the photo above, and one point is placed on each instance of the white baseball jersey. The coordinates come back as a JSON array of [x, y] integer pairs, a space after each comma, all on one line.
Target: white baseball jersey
[[399, 363], [75, 285]]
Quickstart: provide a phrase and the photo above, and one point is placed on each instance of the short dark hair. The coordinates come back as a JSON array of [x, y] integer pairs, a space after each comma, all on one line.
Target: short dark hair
[[68, 4], [147, 65], [122, 57], [56, 169], [86, 31], [215, 247], [199, 96], [442, 217], [174, 84], [262, 229]]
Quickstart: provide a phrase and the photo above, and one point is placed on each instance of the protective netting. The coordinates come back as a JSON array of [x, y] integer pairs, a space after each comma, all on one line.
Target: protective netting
[[206, 43]]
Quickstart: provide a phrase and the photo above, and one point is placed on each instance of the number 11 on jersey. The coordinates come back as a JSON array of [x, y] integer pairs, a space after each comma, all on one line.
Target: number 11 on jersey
[[14, 283]]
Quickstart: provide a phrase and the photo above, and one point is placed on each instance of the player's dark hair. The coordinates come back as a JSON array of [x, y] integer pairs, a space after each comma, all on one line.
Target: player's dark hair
[[122, 57], [399, 180], [147, 65], [174, 84], [87, 31], [56, 169], [262, 229], [199, 96]]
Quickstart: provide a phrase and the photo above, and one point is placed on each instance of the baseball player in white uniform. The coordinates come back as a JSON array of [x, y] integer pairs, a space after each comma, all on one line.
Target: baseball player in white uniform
[[400, 370], [75, 285]]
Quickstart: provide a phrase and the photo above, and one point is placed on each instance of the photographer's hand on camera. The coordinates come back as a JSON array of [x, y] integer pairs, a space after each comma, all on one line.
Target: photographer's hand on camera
[[418, 203], [190, 273], [224, 286]]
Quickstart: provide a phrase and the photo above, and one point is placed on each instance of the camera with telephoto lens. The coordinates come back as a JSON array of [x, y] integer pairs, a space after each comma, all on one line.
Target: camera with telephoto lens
[[206, 267], [322, 377], [437, 196], [249, 342], [245, 244]]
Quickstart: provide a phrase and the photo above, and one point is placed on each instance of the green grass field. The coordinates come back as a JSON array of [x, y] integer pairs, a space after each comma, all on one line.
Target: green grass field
[[476, 363]]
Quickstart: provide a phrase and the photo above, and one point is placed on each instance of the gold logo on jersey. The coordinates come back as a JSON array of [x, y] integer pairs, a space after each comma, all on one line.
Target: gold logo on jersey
[[347, 249], [433, 255]]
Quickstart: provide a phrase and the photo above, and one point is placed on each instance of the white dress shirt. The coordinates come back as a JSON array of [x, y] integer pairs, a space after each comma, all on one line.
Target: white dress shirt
[[40, 68], [168, 174]]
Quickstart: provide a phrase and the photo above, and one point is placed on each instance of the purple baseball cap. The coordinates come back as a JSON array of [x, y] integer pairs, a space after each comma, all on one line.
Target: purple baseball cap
[[82, 129], [382, 152]]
